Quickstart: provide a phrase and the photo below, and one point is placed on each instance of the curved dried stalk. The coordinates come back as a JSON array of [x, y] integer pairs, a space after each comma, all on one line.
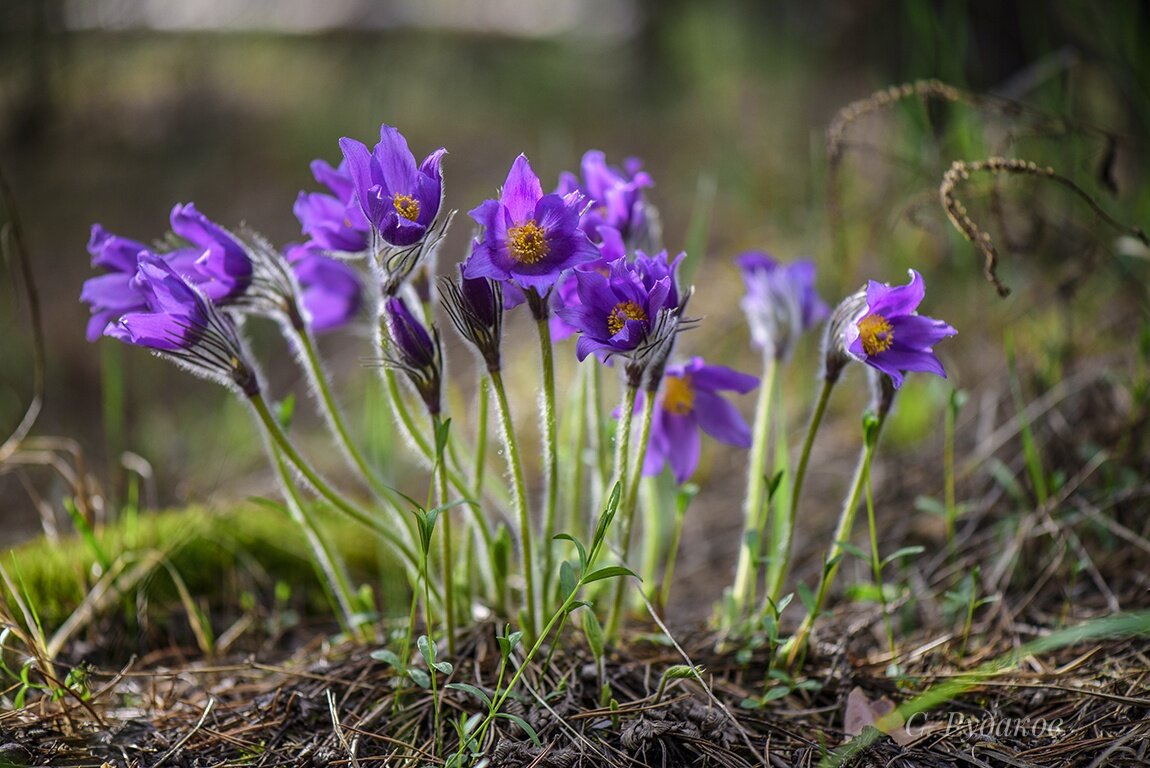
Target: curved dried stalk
[[960, 171], [12, 241]]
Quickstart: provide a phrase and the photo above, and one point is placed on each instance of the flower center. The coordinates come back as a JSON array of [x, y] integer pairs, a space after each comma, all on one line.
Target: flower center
[[621, 313], [528, 243], [876, 334], [406, 206], [678, 395]]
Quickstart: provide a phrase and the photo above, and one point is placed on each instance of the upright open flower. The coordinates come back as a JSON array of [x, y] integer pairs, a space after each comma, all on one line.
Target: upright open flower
[[890, 336], [780, 302], [689, 401], [528, 237], [400, 199], [617, 311], [616, 197], [179, 322]]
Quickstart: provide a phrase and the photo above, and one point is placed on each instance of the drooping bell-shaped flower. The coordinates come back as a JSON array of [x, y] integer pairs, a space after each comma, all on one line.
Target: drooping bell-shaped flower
[[330, 289], [780, 302], [223, 268], [179, 322], [414, 350]]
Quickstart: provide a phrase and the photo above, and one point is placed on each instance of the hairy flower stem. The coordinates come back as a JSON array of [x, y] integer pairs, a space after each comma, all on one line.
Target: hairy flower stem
[[328, 562], [782, 548], [576, 477], [448, 564], [322, 487], [623, 477], [755, 505], [834, 555], [518, 497], [550, 454], [330, 411], [481, 438]]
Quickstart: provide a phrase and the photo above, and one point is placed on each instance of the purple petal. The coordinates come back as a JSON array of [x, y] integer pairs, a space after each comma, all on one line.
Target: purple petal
[[395, 162], [683, 439], [358, 162], [721, 420], [898, 300], [716, 378], [157, 330], [919, 332], [521, 191]]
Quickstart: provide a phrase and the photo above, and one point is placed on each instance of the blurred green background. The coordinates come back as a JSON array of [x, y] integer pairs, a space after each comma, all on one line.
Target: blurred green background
[[111, 111]]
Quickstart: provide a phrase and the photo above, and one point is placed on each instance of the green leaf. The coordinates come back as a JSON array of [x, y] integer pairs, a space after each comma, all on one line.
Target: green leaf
[[426, 649], [776, 693], [898, 554], [285, 410], [568, 582], [391, 658], [501, 552], [442, 431], [607, 516], [531, 734], [851, 549], [930, 505], [681, 672], [609, 572], [419, 677], [773, 483], [593, 631], [578, 546], [444, 668], [473, 690], [806, 597]]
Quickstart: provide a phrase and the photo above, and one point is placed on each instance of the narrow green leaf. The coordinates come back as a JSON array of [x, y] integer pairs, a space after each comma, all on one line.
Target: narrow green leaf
[[593, 631], [609, 572], [473, 690], [898, 554], [578, 546], [531, 734], [568, 582]]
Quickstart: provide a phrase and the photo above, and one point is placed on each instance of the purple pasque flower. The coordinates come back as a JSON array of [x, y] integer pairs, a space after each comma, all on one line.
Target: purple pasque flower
[[890, 336], [689, 401], [333, 221], [114, 293], [414, 351], [174, 315], [330, 290], [475, 306], [529, 238], [616, 196], [617, 311], [223, 268], [399, 199], [780, 302], [180, 323]]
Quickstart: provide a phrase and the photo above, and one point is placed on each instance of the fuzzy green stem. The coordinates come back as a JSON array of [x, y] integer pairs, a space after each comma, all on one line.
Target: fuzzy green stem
[[797, 644], [876, 562], [948, 484], [624, 474], [755, 502], [518, 496], [332, 414], [782, 550], [481, 438], [448, 564], [550, 453], [322, 487], [576, 477], [326, 560], [672, 555]]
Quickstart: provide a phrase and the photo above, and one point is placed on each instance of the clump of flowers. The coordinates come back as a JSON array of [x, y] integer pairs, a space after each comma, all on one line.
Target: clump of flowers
[[579, 257]]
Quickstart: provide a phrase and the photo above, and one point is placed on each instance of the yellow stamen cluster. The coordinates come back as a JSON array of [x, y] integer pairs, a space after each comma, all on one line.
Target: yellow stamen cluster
[[621, 313], [406, 206], [527, 243], [876, 334], [678, 395]]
